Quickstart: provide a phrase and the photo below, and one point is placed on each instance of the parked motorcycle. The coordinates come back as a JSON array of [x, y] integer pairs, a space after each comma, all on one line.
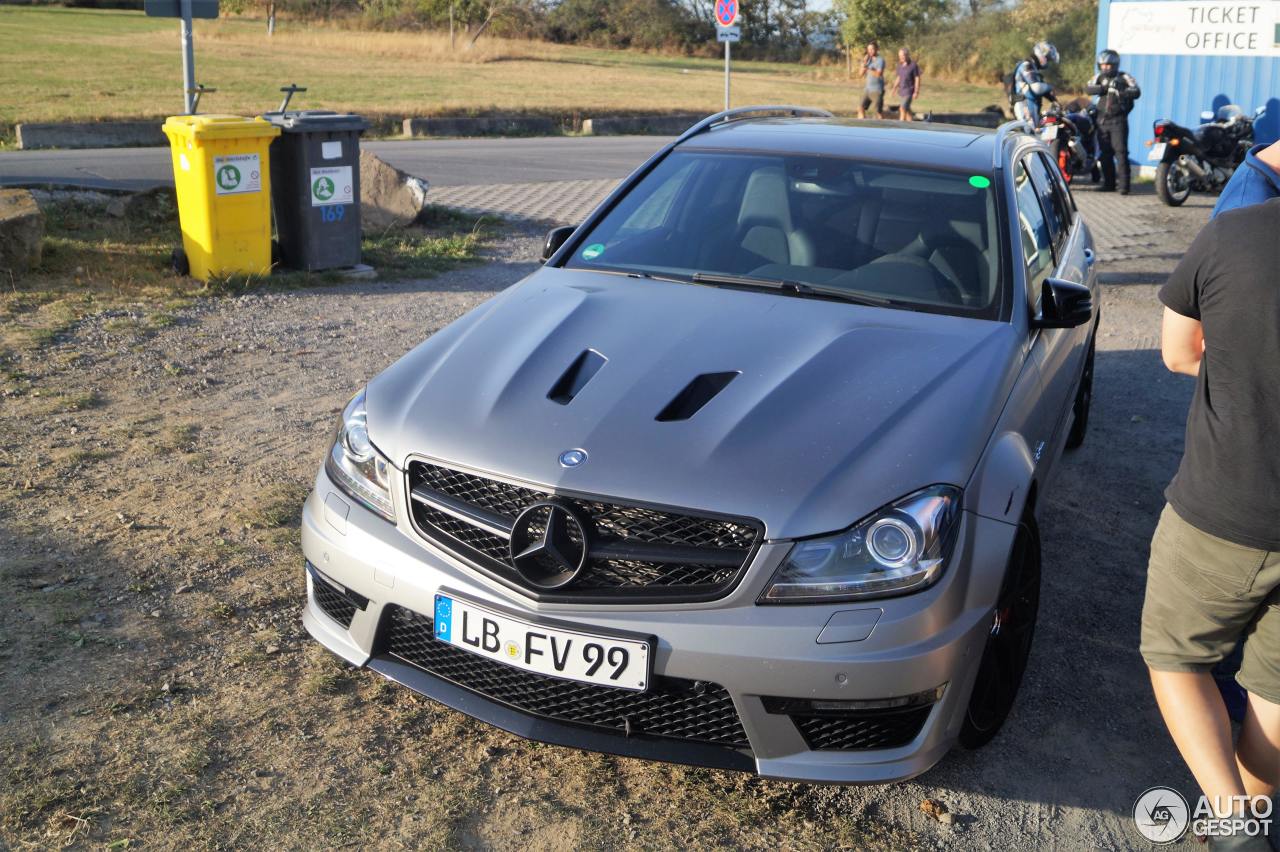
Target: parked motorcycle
[[1073, 138], [1201, 159]]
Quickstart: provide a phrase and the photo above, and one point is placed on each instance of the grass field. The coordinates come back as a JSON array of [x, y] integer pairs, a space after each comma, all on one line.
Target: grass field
[[79, 64]]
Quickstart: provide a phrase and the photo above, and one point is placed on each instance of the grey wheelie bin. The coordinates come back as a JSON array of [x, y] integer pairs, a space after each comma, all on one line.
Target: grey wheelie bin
[[315, 188]]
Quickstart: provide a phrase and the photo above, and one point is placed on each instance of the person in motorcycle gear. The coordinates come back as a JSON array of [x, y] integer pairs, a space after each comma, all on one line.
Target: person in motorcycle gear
[[1115, 91], [1029, 88]]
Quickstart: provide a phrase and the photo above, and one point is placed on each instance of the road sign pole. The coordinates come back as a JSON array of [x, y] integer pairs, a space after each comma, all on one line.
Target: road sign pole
[[726, 75], [188, 60]]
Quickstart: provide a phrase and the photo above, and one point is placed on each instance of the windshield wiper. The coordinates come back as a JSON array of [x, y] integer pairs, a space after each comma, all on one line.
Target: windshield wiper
[[795, 288]]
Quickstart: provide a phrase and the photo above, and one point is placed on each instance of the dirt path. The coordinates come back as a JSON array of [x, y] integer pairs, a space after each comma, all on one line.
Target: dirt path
[[157, 685]]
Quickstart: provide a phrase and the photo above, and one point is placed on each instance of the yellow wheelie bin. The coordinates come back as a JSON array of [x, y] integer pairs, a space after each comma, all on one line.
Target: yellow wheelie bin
[[221, 167]]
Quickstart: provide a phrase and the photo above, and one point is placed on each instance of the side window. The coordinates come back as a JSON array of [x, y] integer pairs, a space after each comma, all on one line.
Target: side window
[[1067, 203], [1056, 215], [1037, 248]]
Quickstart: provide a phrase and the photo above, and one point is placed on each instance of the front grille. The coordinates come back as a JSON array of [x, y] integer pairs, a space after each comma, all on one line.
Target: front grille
[[867, 729], [332, 602], [665, 555], [675, 708]]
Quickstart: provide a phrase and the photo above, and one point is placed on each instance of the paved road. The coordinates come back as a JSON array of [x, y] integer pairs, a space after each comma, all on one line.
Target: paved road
[[444, 163]]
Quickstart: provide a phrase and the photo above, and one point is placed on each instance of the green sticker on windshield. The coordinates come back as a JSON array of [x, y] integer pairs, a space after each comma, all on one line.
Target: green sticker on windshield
[[593, 251], [979, 182]]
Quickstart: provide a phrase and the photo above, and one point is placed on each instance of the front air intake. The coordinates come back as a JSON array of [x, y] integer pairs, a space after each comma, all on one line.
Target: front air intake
[[581, 371], [696, 394]]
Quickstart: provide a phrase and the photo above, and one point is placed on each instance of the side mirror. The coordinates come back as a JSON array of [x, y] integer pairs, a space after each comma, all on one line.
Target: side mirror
[[1063, 304], [556, 237], [1206, 116]]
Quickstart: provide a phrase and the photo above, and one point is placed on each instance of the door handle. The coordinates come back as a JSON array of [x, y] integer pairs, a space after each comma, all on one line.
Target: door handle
[[1089, 257]]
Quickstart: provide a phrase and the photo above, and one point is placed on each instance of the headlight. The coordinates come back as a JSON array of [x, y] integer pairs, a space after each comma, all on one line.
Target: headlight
[[356, 466], [899, 549]]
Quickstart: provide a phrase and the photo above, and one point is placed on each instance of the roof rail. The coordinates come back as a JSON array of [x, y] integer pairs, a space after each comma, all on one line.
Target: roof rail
[[738, 113], [1015, 126]]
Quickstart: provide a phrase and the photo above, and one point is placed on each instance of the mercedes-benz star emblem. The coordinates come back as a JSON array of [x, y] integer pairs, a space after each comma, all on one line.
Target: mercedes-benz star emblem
[[550, 544], [572, 458]]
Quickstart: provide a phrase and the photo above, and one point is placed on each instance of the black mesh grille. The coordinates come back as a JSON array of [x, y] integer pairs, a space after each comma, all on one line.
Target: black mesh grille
[[868, 729], [672, 707], [690, 576], [332, 603]]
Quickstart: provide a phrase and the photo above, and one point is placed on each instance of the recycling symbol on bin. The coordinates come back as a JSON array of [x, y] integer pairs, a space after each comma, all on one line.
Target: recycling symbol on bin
[[228, 177], [322, 188]]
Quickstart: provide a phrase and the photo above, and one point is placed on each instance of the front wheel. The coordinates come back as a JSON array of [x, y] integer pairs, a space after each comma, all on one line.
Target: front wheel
[[1004, 660], [1172, 184]]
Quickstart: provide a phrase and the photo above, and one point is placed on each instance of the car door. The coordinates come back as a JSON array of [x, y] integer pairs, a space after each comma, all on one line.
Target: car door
[[1059, 351]]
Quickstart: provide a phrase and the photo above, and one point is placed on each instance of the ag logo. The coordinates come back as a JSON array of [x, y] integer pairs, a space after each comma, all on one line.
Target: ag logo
[[322, 189], [228, 177], [1161, 815]]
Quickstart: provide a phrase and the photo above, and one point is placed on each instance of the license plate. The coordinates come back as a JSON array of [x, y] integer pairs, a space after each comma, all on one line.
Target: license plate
[[555, 651], [1049, 133], [1157, 151]]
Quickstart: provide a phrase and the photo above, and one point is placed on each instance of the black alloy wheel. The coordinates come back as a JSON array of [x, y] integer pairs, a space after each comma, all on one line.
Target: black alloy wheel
[[1084, 399], [1009, 643], [1173, 184]]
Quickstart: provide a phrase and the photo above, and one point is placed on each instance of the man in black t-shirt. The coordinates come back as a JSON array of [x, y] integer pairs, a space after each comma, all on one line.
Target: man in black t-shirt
[[1214, 575]]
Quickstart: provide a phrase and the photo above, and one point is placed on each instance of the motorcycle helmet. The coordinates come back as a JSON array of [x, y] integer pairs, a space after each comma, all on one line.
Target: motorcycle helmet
[[1045, 53], [1109, 57]]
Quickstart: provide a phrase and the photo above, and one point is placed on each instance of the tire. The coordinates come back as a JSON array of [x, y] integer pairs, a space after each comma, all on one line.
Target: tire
[[1084, 398], [178, 262], [1174, 195], [1004, 660]]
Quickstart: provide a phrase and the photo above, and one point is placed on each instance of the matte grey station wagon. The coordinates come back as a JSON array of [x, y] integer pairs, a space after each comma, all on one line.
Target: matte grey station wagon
[[746, 474]]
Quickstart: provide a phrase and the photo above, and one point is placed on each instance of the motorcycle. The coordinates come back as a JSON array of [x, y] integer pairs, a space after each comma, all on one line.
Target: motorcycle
[[1201, 159], [1072, 137]]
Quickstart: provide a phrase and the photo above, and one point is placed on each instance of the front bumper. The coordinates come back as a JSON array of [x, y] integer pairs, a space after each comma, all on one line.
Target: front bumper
[[915, 644]]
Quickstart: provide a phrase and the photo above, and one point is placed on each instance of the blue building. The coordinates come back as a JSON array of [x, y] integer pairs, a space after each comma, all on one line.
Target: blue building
[[1190, 56]]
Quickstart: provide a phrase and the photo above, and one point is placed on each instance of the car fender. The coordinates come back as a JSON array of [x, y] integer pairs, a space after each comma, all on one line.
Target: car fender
[[1003, 480]]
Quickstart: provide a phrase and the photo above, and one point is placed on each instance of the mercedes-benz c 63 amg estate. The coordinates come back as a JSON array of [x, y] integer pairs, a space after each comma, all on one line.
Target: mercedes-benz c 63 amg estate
[[746, 474]]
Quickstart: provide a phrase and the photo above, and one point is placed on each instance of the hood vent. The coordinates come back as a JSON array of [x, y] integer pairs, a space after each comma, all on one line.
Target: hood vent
[[581, 371], [696, 394]]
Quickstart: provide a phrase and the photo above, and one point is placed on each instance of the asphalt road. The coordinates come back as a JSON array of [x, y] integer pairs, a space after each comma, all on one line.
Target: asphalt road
[[443, 163]]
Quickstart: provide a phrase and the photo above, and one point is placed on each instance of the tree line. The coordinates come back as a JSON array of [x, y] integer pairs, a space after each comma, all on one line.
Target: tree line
[[976, 40]]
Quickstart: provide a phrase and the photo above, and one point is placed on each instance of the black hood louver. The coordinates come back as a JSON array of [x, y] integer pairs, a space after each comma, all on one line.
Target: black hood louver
[[581, 371], [696, 394]]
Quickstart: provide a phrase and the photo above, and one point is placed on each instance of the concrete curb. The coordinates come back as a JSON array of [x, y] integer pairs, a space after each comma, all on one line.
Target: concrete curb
[[92, 134], [640, 125], [496, 125]]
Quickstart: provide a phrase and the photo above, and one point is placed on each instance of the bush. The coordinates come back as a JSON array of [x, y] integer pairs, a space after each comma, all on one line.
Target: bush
[[986, 47]]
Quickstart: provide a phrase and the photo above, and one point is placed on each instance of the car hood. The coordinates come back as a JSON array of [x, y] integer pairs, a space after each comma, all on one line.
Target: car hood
[[834, 411]]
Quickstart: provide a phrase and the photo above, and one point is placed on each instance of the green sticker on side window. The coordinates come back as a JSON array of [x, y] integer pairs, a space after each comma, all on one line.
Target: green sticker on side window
[[593, 251], [979, 182]]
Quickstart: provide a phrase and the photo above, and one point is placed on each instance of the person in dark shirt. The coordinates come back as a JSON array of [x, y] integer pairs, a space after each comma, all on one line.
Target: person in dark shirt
[[908, 84], [1214, 574], [1116, 91]]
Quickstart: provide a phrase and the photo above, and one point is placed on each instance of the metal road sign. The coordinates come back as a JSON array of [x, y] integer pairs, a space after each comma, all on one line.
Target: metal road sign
[[729, 35], [726, 13], [173, 8]]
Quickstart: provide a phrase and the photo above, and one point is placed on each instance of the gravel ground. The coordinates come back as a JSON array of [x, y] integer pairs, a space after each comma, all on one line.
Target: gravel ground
[[246, 389]]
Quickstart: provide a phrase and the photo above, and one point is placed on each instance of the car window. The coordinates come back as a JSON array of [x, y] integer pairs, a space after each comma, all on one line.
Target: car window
[[653, 211], [1037, 249], [1055, 213], [1068, 204], [921, 238]]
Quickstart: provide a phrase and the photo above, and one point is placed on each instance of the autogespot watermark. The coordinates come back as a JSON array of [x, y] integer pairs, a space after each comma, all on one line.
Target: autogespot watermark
[[1163, 816]]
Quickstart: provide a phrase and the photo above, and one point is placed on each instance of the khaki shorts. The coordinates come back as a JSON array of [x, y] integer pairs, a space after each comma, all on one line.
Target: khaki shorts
[[1204, 594]]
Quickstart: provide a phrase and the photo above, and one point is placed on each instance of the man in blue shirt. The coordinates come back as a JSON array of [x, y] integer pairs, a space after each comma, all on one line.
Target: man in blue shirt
[[1257, 180]]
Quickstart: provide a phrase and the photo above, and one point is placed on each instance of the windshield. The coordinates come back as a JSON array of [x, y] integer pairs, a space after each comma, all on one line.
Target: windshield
[[907, 237]]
